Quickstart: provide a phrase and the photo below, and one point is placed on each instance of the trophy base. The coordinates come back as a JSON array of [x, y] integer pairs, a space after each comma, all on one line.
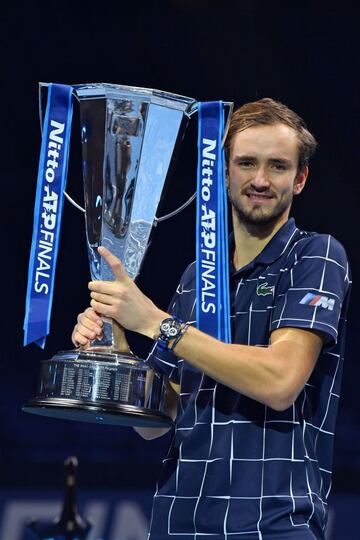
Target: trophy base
[[83, 412], [100, 387]]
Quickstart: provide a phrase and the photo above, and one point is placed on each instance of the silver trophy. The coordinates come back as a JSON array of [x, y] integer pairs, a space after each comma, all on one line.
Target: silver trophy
[[128, 139]]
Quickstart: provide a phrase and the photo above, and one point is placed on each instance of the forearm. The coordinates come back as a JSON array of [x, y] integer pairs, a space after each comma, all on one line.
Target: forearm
[[269, 375], [149, 433], [246, 369], [171, 399]]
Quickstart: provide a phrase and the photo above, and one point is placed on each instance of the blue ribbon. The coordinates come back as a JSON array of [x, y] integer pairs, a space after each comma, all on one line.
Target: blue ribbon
[[49, 201], [212, 264]]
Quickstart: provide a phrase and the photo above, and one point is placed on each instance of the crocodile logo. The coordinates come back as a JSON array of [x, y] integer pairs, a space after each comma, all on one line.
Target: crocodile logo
[[264, 289]]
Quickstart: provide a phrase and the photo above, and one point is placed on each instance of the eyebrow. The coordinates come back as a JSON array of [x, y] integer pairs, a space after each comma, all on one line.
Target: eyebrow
[[280, 161]]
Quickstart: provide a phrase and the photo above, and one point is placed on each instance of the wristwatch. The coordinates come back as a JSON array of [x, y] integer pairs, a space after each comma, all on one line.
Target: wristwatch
[[170, 328]]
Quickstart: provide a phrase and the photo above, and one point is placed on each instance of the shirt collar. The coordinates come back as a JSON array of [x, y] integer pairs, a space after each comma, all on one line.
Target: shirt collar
[[273, 249]]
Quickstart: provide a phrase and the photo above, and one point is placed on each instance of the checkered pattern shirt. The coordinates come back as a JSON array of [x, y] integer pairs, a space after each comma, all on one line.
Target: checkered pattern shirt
[[237, 469]]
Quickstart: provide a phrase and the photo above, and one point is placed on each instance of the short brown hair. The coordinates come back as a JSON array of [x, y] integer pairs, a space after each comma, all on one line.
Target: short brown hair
[[267, 111]]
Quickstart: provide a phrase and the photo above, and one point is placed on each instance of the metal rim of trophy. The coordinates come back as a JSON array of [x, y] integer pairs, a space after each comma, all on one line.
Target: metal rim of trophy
[[105, 413]]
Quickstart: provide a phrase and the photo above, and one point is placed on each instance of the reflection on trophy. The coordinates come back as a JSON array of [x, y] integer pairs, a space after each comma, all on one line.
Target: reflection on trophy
[[128, 139]]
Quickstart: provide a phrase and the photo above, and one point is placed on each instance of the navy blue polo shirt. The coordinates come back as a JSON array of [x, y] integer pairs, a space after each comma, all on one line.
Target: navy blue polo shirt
[[237, 469]]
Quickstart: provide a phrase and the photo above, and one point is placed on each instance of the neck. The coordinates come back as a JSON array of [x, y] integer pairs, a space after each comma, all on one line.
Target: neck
[[251, 239]]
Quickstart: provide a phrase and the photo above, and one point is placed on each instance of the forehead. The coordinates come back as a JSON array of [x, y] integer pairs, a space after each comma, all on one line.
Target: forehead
[[275, 141]]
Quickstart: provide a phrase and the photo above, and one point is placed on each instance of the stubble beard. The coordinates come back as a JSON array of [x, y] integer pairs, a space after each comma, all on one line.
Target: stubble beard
[[258, 216]]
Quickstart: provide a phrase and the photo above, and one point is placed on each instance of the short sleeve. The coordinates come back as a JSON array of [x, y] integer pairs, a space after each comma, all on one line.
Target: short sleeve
[[312, 289], [165, 361]]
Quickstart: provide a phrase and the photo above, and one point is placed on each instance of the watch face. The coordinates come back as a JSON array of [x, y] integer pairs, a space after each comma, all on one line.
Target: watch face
[[170, 328]]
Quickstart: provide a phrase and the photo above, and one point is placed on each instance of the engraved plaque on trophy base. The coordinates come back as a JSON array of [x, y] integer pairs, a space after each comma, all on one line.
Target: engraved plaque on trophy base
[[100, 387]]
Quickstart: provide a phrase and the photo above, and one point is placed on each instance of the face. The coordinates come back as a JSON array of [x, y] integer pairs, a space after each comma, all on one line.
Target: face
[[263, 175]]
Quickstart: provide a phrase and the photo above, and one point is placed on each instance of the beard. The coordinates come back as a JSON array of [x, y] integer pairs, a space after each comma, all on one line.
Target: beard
[[258, 214]]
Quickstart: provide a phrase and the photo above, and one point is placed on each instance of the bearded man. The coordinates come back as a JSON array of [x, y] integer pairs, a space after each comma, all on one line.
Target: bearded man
[[251, 456]]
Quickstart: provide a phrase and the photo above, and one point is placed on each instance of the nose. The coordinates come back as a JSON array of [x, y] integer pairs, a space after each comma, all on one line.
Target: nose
[[260, 181]]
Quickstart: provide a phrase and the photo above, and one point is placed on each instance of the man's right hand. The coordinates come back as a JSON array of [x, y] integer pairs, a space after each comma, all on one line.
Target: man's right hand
[[89, 326]]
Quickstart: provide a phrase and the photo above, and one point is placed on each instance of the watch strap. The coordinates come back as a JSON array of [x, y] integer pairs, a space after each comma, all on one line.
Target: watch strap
[[164, 339]]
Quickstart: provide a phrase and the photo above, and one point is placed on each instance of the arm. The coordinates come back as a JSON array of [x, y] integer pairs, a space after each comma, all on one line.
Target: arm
[[171, 403], [273, 375]]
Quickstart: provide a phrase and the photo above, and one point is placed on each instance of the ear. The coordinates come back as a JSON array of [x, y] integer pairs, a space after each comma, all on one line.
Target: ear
[[227, 182], [300, 180]]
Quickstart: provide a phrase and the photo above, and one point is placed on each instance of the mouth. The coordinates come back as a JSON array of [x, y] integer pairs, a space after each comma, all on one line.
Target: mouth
[[259, 197]]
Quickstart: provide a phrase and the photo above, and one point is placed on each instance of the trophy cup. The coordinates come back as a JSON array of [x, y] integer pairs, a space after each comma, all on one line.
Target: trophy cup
[[128, 137]]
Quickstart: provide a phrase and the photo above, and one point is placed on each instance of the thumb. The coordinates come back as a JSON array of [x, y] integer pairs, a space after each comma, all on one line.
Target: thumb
[[114, 263]]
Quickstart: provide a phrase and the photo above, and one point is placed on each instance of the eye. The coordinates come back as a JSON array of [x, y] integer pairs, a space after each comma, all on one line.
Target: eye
[[245, 163], [278, 166]]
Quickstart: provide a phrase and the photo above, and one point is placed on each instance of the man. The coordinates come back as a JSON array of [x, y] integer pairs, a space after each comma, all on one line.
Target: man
[[252, 452]]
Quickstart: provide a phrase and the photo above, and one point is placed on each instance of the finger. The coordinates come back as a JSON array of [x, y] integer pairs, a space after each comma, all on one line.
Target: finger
[[79, 340], [85, 323], [87, 333], [92, 315], [105, 287], [104, 309], [114, 263], [103, 298], [93, 336]]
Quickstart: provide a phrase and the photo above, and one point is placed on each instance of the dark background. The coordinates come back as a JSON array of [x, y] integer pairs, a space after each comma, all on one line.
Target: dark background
[[303, 55]]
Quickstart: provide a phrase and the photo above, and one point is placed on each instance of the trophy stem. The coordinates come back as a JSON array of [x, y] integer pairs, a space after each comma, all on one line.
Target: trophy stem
[[119, 339]]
